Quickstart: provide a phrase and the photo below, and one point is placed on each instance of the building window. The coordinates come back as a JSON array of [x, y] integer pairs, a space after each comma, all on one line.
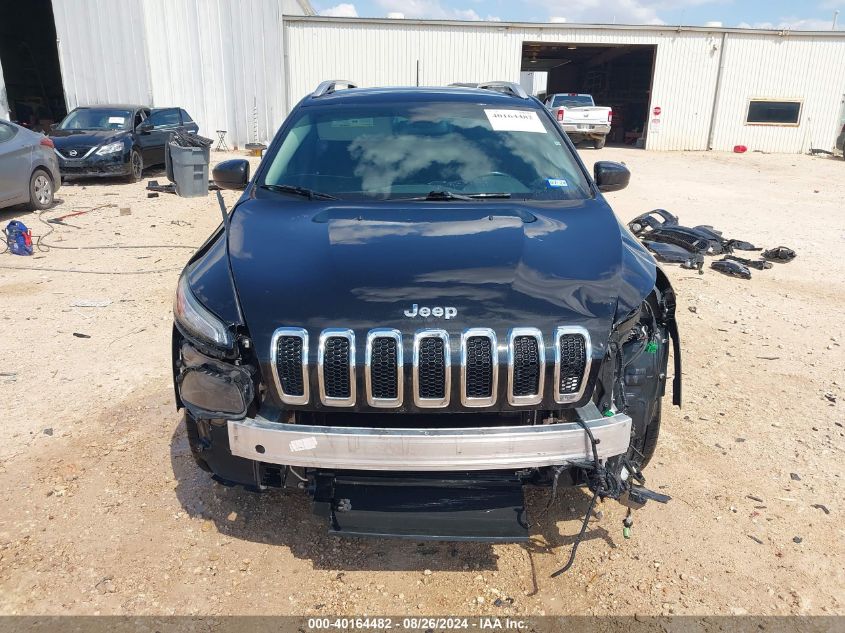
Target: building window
[[770, 112]]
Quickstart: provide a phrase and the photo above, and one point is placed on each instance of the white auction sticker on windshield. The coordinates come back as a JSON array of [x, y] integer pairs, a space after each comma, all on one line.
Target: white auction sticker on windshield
[[117, 119], [515, 121]]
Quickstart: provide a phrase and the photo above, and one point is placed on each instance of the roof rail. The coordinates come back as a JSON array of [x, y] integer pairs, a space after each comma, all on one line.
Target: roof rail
[[327, 87], [506, 87]]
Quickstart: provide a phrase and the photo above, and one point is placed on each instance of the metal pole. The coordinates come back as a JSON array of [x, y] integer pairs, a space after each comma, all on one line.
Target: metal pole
[[835, 15], [717, 92]]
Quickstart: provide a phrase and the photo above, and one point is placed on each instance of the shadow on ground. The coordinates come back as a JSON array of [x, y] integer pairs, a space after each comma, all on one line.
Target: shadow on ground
[[284, 518]]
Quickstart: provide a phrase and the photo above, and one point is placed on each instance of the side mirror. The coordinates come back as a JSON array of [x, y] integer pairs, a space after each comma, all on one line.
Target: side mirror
[[146, 127], [231, 174], [610, 176], [54, 126]]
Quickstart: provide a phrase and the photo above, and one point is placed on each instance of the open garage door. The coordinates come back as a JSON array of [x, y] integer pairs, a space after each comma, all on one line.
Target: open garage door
[[617, 76], [30, 63]]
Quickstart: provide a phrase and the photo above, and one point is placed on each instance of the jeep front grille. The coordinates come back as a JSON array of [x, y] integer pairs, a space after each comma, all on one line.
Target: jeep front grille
[[336, 367], [572, 363], [384, 367], [432, 368]]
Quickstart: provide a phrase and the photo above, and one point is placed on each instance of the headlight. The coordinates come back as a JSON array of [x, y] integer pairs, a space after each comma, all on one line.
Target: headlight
[[197, 320], [111, 148]]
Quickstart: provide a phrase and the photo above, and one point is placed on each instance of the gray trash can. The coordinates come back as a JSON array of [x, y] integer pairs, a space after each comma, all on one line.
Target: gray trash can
[[187, 168]]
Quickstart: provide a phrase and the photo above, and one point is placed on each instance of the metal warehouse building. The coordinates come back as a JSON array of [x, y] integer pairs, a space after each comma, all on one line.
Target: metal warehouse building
[[241, 65]]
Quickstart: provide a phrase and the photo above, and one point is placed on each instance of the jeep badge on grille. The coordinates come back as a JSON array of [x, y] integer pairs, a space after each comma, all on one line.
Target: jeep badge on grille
[[425, 311]]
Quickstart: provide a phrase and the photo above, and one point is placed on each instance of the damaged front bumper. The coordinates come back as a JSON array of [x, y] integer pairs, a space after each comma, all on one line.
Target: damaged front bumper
[[95, 166], [430, 450]]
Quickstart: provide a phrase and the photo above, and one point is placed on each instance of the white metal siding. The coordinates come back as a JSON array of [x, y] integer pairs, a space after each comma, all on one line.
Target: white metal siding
[[791, 67], [222, 60], [382, 53], [102, 53]]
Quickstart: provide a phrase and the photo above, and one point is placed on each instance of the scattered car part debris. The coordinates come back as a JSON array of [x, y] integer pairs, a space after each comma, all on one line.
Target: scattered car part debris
[[759, 264], [685, 238], [647, 220], [674, 254], [662, 234], [731, 268], [741, 245], [780, 254]]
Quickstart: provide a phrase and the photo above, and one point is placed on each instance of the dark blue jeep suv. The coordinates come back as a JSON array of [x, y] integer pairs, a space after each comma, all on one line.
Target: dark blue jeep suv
[[421, 304]]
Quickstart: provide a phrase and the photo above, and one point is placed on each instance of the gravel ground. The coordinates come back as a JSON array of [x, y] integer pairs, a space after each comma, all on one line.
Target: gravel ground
[[104, 511]]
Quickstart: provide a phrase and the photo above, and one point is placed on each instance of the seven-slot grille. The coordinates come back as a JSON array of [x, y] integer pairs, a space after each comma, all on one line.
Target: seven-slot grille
[[431, 369]]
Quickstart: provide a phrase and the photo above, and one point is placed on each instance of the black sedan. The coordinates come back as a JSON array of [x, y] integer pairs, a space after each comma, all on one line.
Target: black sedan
[[115, 140]]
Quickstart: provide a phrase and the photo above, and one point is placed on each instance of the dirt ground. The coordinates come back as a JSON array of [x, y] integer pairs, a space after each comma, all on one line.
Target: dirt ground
[[104, 511]]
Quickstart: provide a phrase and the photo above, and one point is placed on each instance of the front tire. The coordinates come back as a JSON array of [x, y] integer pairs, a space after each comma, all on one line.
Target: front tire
[[136, 166], [40, 190]]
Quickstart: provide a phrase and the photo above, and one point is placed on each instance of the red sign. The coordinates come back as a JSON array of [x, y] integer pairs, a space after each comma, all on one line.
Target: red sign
[[657, 110]]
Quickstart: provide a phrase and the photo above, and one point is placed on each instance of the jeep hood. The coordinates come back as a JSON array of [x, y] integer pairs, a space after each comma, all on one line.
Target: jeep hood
[[499, 265]]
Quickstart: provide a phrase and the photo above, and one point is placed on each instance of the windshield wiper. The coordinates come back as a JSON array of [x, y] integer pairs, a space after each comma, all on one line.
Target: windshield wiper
[[299, 191], [451, 195]]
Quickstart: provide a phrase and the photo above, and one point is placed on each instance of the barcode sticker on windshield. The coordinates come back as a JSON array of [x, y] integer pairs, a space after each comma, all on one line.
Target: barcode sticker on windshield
[[117, 119], [515, 121]]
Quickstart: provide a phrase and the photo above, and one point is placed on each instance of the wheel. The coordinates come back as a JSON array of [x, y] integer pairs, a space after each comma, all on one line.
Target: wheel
[[598, 143], [137, 165], [647, 444], [40, 190]]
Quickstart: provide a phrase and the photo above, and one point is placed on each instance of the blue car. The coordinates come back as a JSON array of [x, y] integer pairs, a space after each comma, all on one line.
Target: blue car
[[421, 304]]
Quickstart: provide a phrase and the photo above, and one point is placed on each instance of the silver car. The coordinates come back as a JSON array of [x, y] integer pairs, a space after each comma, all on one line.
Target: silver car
[[29, 169]]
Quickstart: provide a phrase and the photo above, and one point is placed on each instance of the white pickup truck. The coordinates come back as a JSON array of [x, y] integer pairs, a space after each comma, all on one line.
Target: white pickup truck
[[580, 117]]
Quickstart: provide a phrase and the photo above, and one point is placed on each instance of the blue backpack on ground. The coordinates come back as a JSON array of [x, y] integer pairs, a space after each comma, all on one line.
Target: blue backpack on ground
[[18, 238]]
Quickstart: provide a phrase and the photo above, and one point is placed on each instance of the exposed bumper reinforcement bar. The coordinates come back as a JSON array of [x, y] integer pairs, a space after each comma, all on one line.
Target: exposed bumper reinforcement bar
[[483, 448]]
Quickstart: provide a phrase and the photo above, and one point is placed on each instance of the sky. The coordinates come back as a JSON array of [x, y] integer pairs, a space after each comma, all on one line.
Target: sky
[[765, 14]]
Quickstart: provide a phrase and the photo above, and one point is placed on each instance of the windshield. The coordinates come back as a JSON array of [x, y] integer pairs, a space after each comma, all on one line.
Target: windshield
[[97, 119], [572, 101], [403, 150]]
